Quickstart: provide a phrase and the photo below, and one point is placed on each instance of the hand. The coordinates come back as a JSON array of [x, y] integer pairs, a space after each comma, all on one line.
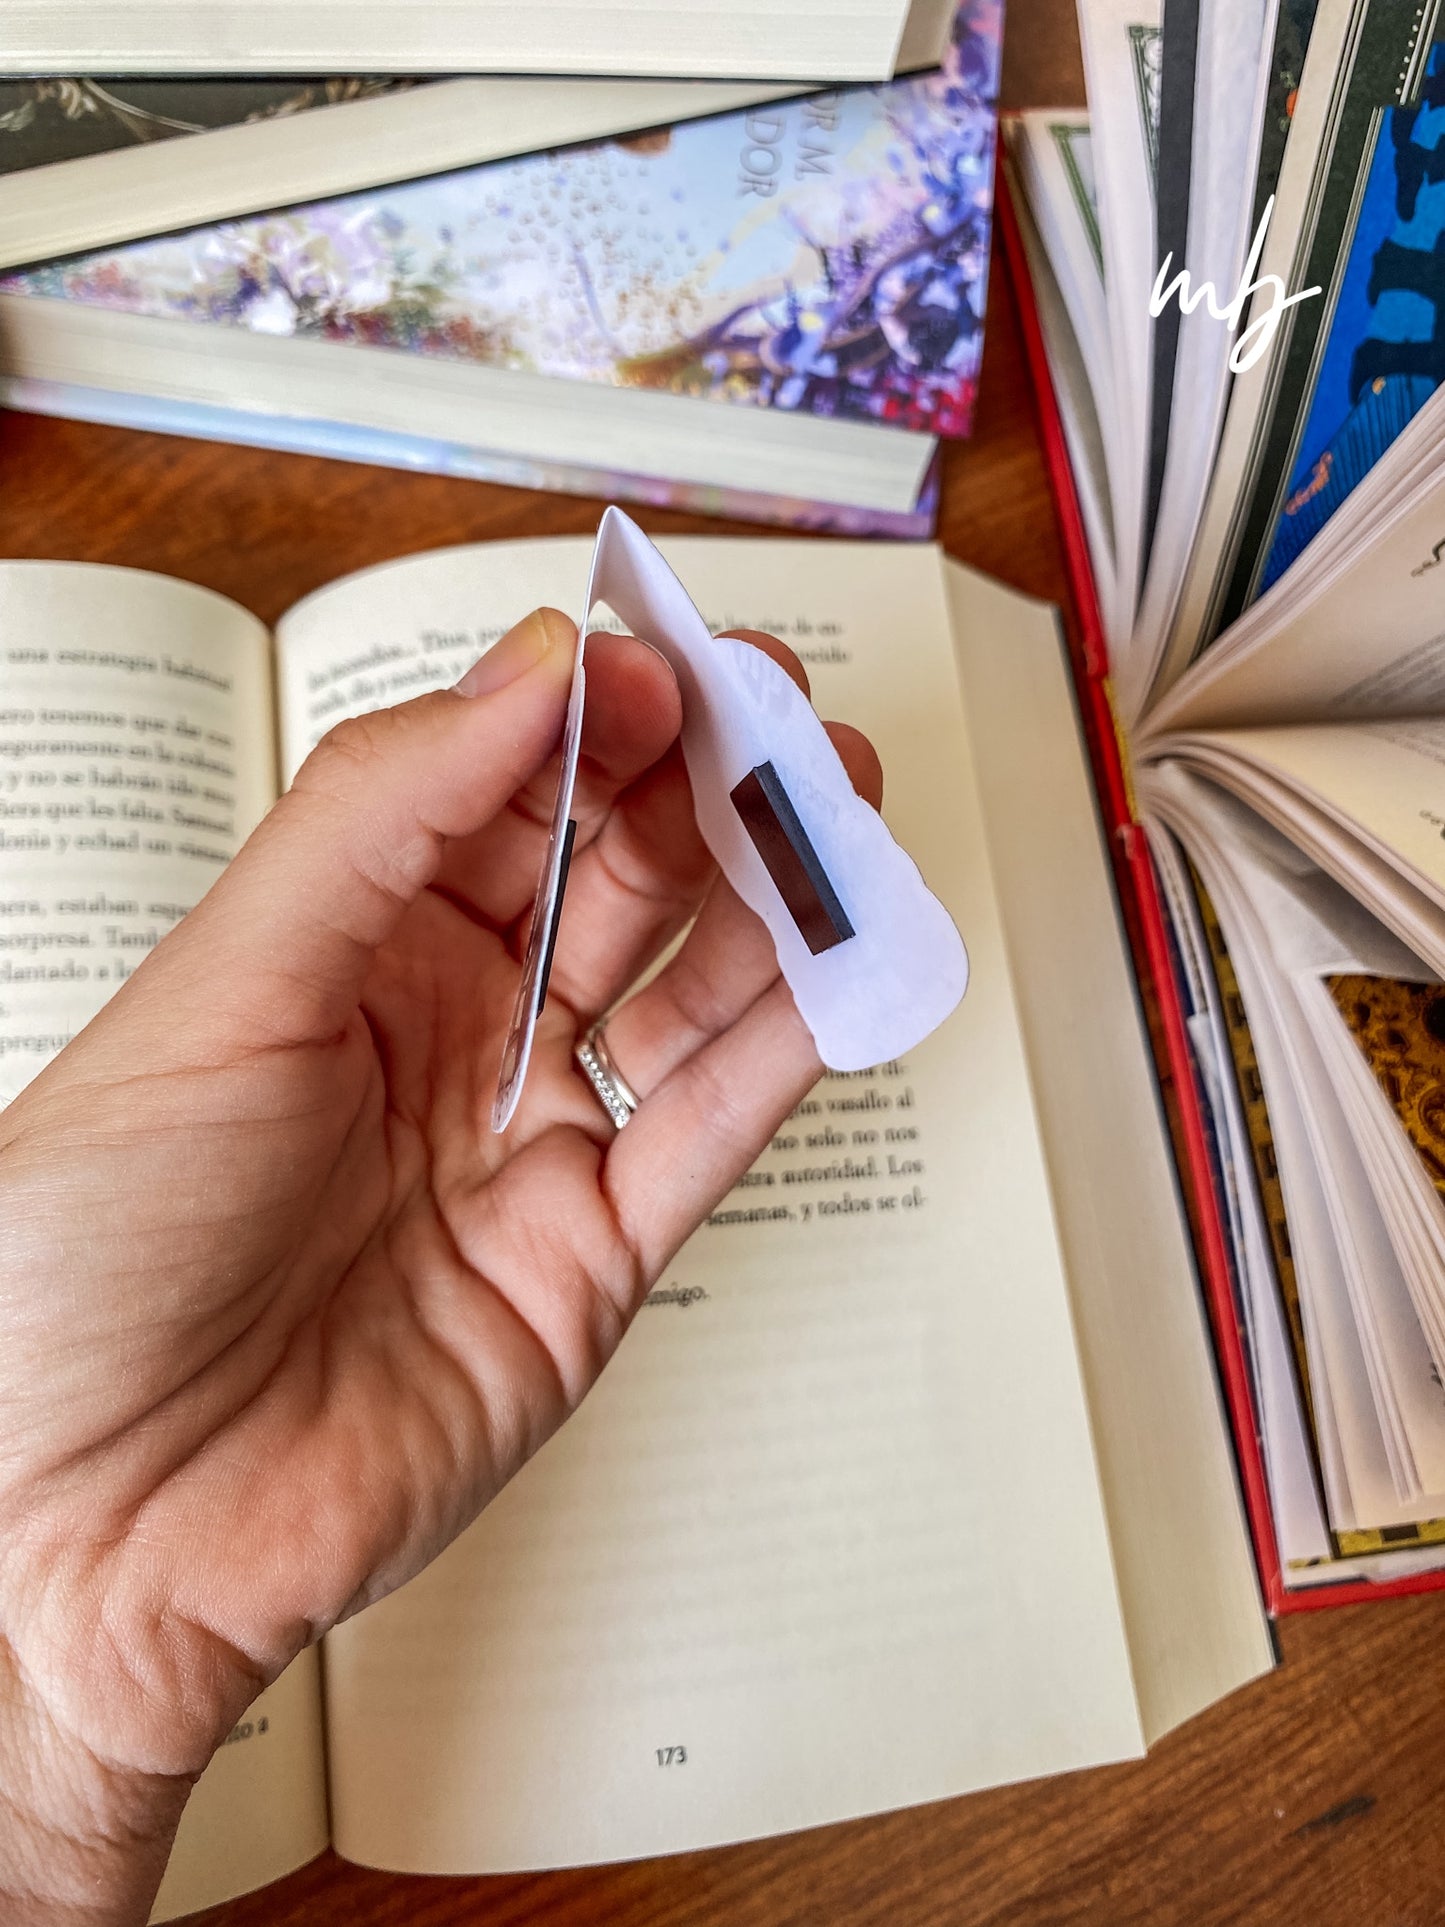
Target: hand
[[278, 1313]]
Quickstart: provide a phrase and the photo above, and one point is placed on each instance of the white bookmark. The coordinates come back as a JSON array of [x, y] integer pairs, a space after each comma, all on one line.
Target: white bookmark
[[871, 956]]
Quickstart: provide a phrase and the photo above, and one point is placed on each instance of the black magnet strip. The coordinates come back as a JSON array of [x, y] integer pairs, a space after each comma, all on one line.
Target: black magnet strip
[[568, 839], [781, 841]]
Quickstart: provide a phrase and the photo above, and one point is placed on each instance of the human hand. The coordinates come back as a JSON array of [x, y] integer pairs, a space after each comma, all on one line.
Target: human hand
[[278, 1313]]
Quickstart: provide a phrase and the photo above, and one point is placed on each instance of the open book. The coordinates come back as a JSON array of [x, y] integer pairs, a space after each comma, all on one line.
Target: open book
[[912, 1476], [1262, 539], [770, 39]]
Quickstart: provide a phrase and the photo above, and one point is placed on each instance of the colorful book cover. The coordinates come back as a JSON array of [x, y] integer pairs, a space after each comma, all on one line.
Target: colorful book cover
[[826, 255]]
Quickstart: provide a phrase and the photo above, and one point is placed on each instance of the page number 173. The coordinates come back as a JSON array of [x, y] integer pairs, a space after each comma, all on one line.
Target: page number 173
[[672, 1756]]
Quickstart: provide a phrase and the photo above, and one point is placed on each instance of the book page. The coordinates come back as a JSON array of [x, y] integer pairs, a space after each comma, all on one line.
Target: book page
[[1380, 780], [1359, 1250], [1383, 856], [135, 757], [259, 1809], [1360, 635], [1248, 1197], [136, 753], [828, 1537], [1181, 1547]]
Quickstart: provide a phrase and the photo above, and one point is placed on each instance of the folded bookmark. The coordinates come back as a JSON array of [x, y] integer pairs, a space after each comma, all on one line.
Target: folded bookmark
[[871, 956]]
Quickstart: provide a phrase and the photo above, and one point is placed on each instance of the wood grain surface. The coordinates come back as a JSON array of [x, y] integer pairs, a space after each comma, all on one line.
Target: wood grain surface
[[1315, 1796]]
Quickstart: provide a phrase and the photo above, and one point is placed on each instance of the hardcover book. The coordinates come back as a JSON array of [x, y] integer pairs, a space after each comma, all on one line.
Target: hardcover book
[[1262, 636], [811, 266]]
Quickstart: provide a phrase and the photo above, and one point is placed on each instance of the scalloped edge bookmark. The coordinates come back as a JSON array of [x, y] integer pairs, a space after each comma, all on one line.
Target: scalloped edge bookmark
[[874, 961]]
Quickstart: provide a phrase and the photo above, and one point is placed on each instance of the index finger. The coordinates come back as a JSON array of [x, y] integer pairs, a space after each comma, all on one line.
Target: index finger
[[643, 875]]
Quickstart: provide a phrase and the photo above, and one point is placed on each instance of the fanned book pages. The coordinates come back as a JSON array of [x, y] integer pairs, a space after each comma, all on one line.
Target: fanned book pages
[[1261, 488], [802, 40], [920, 1501], [811, 273]]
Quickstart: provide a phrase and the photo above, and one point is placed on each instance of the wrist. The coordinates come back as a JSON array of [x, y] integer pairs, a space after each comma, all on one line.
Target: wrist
[[83, 1841]]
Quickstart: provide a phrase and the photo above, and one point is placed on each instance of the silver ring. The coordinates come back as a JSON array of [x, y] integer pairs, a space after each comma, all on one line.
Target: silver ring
[[615, 1094]]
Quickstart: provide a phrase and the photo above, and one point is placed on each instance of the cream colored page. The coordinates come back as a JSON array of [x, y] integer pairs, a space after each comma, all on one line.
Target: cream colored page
[[259, 1810], [1191, 1600], [828, 1536], [802, 39], [1385, 780], [135, 754], [1367, 640]]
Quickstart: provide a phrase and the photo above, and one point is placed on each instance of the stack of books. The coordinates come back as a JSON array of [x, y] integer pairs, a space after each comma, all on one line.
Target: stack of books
[[1257, 477], [775, 311]]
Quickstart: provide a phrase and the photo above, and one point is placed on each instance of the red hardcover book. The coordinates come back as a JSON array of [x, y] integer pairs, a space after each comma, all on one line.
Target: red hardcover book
[[1149, 939]]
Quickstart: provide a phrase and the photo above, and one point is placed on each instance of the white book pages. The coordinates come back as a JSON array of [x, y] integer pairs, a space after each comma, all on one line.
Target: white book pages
[[507, 414], [1353, 629], [1252, 390], [1230, 84], [1295, 1501], [1367, 1348], [135, 759], [1360, 799], [1083, 431], [1121, 48], [1405, 1188], [805, 40]]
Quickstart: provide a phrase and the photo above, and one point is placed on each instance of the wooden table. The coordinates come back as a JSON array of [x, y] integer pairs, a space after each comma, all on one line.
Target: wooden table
[[1317, 1795]]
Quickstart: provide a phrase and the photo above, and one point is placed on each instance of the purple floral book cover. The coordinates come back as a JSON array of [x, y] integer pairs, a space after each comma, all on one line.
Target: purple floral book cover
[[826, 255]]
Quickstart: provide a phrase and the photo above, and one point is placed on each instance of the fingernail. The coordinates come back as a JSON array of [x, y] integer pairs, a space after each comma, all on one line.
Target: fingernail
[[521, 649]]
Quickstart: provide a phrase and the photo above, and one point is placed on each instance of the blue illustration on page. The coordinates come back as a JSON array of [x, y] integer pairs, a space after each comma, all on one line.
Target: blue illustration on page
[[1385, 355]]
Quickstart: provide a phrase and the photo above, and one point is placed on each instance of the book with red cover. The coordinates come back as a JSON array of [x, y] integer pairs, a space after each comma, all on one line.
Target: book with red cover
[[1150, 943]]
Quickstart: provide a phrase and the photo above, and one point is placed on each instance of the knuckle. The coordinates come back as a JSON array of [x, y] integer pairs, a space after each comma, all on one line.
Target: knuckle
[[695, 995], [349, 747]]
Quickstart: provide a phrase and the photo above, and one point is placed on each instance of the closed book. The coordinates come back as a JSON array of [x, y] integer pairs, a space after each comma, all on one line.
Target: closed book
[[807, 278]]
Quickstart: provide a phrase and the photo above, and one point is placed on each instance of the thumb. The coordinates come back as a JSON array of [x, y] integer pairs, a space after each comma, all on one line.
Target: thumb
[[288, 931]]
